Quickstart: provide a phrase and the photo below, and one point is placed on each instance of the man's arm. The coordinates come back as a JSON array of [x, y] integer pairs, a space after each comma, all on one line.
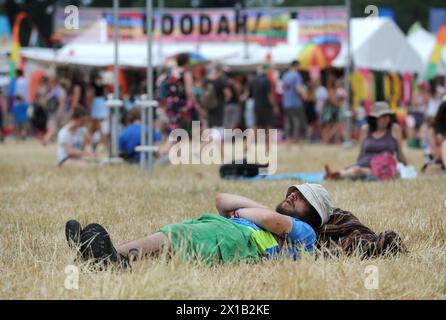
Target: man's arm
[[189, 87], [299, 87], [272, 98], [363, 134], [225, 203], [76, 96], [300, 90], [268, 219]]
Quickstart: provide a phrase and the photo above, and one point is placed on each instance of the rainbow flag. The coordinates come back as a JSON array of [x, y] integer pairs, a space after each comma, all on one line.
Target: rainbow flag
[[437, 53], [15, 54], [15, 50]]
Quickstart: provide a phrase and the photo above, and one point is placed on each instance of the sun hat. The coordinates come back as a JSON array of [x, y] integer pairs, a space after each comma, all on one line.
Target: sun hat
[[318, 197], [380, 108]]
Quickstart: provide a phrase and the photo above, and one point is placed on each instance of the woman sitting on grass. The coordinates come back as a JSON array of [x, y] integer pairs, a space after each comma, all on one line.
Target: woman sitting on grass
[[71, 141], [437, 137], [381, 135], [245, 230]]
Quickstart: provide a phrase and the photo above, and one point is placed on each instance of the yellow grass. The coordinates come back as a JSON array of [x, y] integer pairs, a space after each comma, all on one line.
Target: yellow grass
[[37, 198]]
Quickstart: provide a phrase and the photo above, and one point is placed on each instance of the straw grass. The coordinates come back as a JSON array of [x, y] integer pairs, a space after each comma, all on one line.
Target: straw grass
[[37, 198]]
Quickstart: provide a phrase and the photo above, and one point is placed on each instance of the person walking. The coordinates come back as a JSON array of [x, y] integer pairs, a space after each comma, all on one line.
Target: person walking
[[293, 105]]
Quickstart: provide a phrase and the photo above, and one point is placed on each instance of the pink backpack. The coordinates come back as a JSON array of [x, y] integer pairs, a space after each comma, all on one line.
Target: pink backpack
[[384, 166]]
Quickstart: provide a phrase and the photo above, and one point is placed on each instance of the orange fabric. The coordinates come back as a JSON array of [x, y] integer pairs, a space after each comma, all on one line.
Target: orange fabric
[[36, 76]]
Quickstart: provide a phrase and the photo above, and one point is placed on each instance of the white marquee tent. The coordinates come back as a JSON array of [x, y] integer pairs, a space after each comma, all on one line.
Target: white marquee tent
[[378, 44], [423, 42]]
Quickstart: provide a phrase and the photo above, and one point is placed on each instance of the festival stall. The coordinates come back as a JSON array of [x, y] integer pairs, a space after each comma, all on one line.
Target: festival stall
[[386, 66]]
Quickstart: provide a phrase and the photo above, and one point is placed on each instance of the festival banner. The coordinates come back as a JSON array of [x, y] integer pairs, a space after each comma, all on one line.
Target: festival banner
[[322, 22], [210, 25]]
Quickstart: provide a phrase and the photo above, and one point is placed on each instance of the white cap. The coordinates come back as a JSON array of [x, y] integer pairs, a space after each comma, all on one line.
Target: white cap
[[318, 197]]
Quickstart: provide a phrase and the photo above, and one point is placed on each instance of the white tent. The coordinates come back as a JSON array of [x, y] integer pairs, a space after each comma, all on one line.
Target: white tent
[[135, 54], [378, 44], [423, 42]]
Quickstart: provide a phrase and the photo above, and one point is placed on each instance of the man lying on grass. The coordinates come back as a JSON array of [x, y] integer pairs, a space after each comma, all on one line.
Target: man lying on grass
[[244, 230]]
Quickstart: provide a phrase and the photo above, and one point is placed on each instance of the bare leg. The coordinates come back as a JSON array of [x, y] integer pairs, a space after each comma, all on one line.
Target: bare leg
[[76, 163], [324, 134], [329, 133], [50, 132], [354, 172], [150, 245], [443, 153], [104, 136], [339, 133]]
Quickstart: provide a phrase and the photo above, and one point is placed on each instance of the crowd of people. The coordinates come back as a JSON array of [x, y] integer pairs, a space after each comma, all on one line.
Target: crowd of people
[[70, 108]]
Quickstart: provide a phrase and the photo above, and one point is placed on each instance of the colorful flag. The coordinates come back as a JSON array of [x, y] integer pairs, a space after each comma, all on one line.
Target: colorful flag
[[15, 54], [437, 53]]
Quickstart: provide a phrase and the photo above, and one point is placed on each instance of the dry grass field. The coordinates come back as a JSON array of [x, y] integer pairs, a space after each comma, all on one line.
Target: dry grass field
[[37, 198]]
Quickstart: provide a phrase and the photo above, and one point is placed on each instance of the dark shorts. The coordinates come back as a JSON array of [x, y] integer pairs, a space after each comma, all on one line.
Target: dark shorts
[[215, 117], [310, 112], [419, 119], [264, 117]]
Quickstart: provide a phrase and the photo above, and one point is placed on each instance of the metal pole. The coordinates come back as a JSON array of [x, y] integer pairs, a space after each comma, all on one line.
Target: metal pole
[[347, 111], [240, 14], [149, 79], [115, 43], [112, 111], [270, 7], [160, 35], [143, 156], [245, 32]]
